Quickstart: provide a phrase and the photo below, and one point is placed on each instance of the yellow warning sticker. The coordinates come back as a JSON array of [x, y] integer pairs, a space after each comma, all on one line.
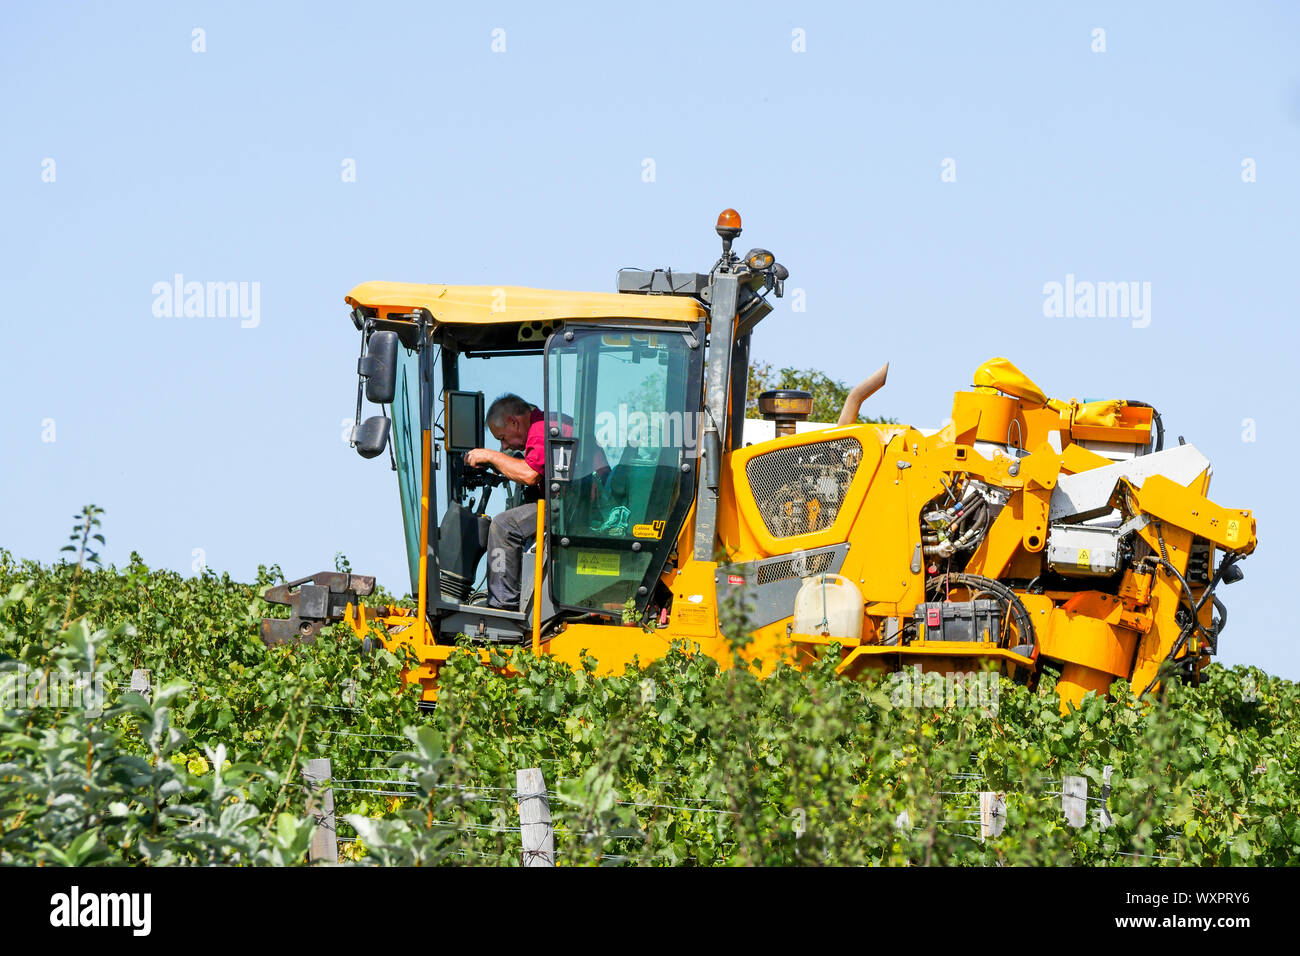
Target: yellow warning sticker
[[625, 339], [1085, 558], [1234, 531], [695, 616], [598, 563], [654, 530]]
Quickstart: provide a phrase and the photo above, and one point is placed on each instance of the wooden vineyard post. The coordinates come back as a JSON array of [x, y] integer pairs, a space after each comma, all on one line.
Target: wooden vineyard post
[[1104, 821], [993, 814], [535, 818], [324, 843], [1074, 800]]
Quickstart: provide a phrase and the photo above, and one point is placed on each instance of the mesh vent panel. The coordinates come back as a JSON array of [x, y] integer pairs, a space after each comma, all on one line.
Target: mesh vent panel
[[780, 570], [800, 490]]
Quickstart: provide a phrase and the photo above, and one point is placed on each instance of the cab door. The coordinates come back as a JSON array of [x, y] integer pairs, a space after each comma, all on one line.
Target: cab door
[[622, 432]]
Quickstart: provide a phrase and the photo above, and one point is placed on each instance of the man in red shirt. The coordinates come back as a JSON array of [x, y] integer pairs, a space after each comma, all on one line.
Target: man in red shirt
[[517, 425]]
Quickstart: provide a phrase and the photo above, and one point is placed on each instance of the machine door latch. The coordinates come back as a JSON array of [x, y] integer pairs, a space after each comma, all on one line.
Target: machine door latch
[[561, 458]]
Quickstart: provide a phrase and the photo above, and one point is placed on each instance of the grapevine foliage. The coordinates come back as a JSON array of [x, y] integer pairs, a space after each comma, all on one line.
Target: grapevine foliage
[[682, 763]]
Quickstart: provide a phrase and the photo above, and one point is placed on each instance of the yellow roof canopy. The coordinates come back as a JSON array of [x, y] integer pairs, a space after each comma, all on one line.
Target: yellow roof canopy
[[494, 305]]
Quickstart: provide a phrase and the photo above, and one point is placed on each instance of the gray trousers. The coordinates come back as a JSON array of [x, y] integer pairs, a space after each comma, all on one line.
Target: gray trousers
[[512, 531]]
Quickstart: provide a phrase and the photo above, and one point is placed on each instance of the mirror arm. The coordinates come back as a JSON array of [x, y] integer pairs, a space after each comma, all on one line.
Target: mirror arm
[[392, 458], [361, 380]]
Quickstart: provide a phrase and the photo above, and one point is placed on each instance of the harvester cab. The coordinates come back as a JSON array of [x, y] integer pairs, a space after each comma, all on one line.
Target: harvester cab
[[1026, 532], [629, 417]]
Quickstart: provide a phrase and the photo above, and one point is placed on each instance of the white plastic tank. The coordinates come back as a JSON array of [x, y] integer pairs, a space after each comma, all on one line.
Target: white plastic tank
[[829, 605]]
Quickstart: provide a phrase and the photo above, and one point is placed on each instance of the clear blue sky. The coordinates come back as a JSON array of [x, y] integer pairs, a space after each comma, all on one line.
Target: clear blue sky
[[525, 167]]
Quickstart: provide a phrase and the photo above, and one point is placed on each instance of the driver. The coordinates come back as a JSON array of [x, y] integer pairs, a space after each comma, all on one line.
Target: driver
[[517, 425]]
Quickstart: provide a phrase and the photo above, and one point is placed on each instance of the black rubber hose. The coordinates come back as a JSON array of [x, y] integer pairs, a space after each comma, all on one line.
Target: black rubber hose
[[1228, 561], [1194, 623], [1195, 606], [1182, 638], [976, 509], [1192, 605]]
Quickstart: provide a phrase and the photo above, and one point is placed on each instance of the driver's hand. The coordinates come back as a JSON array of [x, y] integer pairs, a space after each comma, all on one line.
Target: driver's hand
[[478, 458]]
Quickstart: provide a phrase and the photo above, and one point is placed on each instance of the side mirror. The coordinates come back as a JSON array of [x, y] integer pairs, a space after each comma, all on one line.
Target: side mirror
[[379, 367], [372, 436]]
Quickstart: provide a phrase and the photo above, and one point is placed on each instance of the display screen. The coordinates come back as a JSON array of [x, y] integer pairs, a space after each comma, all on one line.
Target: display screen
[[464, 421]]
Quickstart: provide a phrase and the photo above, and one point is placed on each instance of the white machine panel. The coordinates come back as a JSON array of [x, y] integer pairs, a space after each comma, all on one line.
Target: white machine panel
[[1087, 495]]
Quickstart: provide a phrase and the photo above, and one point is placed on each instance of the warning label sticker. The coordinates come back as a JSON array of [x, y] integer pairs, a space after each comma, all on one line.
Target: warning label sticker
[[693, 616], [598, 563]]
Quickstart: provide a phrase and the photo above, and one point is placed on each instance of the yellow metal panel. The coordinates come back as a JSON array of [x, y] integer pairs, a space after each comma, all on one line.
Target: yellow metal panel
[[1076, 637], [1112, 421], [1036, 502], [769, 645], [823, 639], [1135, 588], [695, 601], [1003, 541], [613, 647], [1041, 421], [883, 540], [1166, 595], [495, 305], [1041, 468], [1076, 458], [1161, 497], [768, 544], [928, 654], [1076, 680], [998, 417]]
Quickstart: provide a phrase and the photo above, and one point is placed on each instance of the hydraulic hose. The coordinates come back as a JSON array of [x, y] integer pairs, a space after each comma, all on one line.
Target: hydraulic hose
[[1194, 624], [962, 531]]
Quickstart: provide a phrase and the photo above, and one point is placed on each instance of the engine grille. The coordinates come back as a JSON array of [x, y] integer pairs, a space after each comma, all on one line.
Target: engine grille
[[800, 490]]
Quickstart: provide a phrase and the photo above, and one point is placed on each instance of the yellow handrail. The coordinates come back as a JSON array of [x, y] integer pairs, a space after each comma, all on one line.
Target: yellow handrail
[[537, 576]]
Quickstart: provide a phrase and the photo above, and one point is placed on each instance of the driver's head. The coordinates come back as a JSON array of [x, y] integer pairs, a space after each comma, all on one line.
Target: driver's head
[[508, 419]]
